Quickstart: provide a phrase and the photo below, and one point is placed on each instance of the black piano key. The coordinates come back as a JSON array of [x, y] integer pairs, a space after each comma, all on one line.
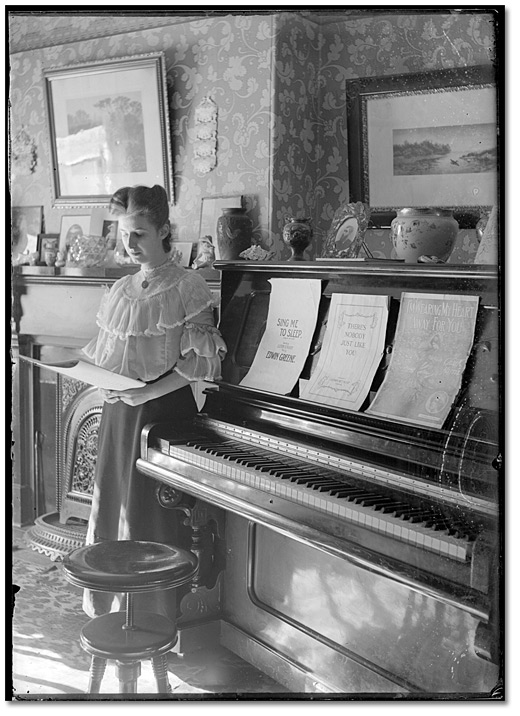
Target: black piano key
[[325, 486]]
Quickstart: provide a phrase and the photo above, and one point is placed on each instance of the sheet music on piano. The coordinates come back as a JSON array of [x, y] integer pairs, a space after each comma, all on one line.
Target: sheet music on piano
[[352, 349], [285, 344], [433, 340]]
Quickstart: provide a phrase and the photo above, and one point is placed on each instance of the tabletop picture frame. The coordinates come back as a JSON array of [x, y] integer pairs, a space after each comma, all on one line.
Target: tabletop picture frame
[[26, 226], [108, 128], [412, 138]]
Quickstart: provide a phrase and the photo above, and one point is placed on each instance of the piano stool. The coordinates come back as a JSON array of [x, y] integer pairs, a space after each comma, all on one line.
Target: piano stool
[[130, 636]]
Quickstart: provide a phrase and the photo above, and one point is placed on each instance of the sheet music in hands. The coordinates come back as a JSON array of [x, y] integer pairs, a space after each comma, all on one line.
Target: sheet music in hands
[[89, 373], [285, 344], [352, 349], [433, 340]]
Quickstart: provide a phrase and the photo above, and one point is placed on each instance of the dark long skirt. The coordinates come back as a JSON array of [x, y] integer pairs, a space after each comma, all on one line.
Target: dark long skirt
[[124, 503]]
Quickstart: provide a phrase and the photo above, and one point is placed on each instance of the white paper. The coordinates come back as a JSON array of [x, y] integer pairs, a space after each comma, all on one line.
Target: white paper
[[284, 347], [90, 373], [352, 349]]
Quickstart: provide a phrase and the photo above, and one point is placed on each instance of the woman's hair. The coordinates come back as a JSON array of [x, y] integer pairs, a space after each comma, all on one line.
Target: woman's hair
[[144, 201]]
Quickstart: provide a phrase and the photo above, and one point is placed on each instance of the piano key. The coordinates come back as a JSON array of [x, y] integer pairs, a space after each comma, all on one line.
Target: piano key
[[396, 524]]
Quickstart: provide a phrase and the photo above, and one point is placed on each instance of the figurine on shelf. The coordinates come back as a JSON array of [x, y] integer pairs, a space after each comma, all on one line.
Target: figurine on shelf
[[60, 259], [205, 253]]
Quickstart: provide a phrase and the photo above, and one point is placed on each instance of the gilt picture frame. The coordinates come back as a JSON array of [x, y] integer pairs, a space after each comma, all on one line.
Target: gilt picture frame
[[108, 128], [414, 137]]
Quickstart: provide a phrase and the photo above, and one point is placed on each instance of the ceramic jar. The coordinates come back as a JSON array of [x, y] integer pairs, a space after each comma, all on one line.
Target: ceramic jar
[[234, 233], [297, 234], [419, 232]]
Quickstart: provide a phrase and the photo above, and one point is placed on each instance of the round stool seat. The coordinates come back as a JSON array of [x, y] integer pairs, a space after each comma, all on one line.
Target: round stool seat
[[150, 635], [129, 566]]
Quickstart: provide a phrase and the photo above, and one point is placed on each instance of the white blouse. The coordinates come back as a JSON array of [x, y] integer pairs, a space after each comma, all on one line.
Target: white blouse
[[149, 325]]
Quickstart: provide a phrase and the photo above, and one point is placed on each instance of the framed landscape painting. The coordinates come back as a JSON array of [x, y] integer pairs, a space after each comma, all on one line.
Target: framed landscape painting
[[424, 140], [108, 128]]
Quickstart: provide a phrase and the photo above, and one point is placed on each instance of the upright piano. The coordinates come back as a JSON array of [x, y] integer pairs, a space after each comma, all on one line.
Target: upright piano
[[354, 555]]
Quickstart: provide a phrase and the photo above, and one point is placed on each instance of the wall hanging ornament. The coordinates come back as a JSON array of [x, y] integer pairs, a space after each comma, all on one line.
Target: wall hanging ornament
[[205, 149]]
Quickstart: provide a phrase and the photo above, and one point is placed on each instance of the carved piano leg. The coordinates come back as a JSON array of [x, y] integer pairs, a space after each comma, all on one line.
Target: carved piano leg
[[202, 602]]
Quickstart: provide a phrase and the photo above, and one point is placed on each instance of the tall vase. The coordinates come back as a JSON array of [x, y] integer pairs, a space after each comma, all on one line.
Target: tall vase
[[420, 232], [297, 235], [234, 233]]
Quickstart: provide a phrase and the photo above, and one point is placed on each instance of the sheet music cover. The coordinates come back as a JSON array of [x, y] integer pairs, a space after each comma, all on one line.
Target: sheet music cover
[[89, 373], [285, 344], [353, 346], [433, 340]]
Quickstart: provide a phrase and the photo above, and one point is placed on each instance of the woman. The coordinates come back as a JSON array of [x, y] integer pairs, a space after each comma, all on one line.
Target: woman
[[157, 326]]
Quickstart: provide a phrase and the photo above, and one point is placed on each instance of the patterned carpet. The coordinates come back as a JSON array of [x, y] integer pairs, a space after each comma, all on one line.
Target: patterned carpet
[[48, 662]]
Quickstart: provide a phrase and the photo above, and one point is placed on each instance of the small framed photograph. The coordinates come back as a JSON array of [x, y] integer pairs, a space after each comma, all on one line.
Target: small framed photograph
[[71, 228], [48, 246], [181, 253], [211, 209], [102, 223], [26, 224], [347, 231]]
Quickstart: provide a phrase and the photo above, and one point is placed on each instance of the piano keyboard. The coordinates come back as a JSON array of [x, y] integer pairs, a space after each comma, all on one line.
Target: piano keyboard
[[327, 491]]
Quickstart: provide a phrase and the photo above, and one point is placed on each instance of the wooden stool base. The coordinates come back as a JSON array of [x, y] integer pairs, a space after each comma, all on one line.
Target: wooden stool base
[[150, 637]]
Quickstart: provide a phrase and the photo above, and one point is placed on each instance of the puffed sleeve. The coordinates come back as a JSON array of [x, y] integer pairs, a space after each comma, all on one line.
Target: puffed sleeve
[[202, 348]]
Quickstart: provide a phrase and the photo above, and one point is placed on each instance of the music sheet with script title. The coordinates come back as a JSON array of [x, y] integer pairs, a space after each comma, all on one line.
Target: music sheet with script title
[[352, 349], [285, 344], [433, 340]]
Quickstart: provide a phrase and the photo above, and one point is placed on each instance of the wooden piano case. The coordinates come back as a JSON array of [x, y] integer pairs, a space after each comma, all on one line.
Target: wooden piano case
[[333, 606]]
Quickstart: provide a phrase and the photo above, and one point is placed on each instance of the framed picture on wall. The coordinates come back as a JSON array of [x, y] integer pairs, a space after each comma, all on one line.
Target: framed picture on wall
[[108, 128], [425, 139], [211, 209]]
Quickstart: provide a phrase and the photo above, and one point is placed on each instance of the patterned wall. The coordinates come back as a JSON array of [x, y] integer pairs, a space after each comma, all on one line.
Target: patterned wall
[[311, 161], [278, 81]]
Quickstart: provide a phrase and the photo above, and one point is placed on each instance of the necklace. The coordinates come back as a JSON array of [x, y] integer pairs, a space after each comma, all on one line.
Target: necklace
[[150, 273]]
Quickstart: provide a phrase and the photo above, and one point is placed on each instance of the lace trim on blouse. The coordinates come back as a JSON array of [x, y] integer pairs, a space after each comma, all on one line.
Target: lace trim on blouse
[[124, 312]]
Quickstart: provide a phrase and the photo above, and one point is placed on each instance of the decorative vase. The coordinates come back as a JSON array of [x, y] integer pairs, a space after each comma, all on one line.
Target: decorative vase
[[297, 235], [420, 232], [50, 256], [234, 233]]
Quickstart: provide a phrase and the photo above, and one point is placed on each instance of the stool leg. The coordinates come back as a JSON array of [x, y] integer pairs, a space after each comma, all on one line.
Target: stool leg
[[128, 673], [160, 670], [97, 671]]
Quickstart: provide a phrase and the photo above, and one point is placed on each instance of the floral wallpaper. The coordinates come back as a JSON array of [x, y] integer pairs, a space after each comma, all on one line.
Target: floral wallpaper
[[313, 65], [278, 80]]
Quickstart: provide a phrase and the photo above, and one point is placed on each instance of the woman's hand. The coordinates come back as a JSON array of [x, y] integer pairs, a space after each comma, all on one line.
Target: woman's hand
[[133, 396]]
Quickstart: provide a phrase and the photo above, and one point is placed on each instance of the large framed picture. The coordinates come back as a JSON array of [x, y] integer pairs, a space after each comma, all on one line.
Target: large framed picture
[[424, 140], [109, 128]]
